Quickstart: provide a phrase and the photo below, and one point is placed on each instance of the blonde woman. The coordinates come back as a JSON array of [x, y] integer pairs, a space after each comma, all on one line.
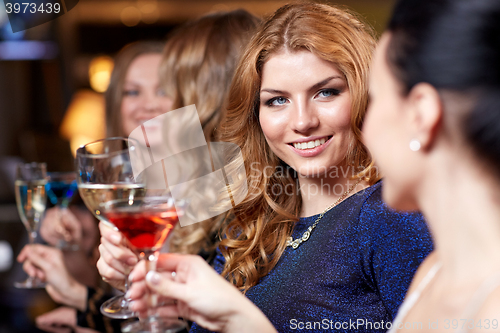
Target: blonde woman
[[133, 96], [197, 67]]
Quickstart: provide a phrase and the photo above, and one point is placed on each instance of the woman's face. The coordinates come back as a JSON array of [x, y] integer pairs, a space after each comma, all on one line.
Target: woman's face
[[305, 112], [143, 98], [387, 134]]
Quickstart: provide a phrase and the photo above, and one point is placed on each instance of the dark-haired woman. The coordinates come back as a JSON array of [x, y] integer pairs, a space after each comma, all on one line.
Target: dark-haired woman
[[434, 128]]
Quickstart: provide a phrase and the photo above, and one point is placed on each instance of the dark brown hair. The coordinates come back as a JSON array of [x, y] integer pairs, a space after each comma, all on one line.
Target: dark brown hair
[[454, 46]]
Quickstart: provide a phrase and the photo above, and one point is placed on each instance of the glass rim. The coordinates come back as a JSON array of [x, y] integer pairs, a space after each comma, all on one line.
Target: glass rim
[[61, 174], [26, 172], [168, 198], [115, 138], [32, 164]]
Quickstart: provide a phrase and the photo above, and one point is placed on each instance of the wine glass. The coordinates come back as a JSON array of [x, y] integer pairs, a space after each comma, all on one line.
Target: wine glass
[[60, 190], [104, 172], [146, 222], [31, 198]]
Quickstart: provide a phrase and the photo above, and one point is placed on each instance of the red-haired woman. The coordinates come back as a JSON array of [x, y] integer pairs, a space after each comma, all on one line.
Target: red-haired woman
[[312, 245]]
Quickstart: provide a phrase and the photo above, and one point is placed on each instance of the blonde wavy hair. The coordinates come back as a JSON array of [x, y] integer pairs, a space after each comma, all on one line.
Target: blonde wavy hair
[[255, 237], [197, 67]]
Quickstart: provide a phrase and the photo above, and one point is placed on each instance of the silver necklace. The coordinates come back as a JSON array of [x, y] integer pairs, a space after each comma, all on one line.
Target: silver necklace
[[305, 236]]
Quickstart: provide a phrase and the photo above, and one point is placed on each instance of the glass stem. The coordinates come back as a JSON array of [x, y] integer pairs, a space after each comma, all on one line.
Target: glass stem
[[32, 237], [126, 301], [151, 259]]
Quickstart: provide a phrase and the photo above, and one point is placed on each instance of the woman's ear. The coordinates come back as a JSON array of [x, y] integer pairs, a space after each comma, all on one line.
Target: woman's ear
[[425, 113]]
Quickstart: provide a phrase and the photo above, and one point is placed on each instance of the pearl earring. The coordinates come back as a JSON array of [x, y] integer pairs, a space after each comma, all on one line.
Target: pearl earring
[[415, 145]]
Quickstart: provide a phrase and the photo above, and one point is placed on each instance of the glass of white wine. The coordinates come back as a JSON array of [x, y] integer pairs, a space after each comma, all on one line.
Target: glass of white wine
[[104, 173], [31, 199]]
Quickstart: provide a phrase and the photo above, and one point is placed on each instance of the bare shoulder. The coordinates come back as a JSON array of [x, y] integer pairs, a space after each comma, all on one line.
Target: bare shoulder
[[422, 270]]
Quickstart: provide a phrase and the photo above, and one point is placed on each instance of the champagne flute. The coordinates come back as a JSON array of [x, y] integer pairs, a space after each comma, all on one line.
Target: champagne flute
[[104, 172], [146, 222], [31, 198], [60, 190]]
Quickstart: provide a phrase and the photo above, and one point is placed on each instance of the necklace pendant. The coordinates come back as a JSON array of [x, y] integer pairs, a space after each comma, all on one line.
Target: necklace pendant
[[305, 236]]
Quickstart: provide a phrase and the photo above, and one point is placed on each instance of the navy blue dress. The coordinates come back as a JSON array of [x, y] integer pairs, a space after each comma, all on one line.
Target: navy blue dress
[[351, 275]]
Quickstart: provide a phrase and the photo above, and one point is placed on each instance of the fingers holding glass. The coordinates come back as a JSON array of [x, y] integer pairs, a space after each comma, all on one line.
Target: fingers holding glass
[[105, 173], [31, 198], [61, 188], [146, 222], [61, 228]]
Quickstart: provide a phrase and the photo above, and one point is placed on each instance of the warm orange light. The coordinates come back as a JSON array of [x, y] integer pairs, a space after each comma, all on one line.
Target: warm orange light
[[148, 6], [130, 16], [149, 10], [84, 120], [100, 69]]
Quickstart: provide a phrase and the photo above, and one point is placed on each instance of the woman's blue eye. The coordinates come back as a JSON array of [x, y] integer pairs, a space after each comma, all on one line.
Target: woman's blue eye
[[131, 93], [328, 92], [277, 101]]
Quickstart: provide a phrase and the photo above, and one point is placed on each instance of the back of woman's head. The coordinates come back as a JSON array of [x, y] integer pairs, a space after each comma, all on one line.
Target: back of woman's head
[[197, 68], [453, 45], [114, 93], [199, 62]]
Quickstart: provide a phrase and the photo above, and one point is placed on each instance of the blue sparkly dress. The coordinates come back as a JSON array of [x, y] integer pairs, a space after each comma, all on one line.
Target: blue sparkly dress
[[350, 276]]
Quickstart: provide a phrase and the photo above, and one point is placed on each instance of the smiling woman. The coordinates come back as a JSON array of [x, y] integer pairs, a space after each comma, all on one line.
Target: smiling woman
[[313, 239], [309, 247], [143, 99], [308, 125], [134, 94]]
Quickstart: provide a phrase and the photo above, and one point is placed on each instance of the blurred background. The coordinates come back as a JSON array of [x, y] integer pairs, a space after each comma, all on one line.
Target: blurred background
[[51, 82]]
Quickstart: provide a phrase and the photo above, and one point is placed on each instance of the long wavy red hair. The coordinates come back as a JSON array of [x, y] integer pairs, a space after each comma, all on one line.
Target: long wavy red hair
[[255, 237]]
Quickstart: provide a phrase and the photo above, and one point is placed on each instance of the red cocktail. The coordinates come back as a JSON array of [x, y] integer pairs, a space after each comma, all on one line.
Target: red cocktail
[[147, 222], [145, 230]]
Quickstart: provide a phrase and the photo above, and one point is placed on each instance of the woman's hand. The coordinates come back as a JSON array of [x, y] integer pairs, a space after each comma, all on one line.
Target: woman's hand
[[47, 263], [116, 259], [60, 320], [196, 292], [60, 225]]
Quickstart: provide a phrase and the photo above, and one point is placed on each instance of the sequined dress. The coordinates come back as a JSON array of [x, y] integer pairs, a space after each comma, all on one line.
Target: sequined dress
[[351, 275]]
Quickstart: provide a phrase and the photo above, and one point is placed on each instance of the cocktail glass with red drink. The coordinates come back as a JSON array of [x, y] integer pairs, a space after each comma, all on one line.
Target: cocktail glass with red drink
[[146, 222]]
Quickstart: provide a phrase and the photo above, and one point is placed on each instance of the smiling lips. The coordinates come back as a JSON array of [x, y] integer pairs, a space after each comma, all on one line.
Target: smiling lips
[[309, 144]]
